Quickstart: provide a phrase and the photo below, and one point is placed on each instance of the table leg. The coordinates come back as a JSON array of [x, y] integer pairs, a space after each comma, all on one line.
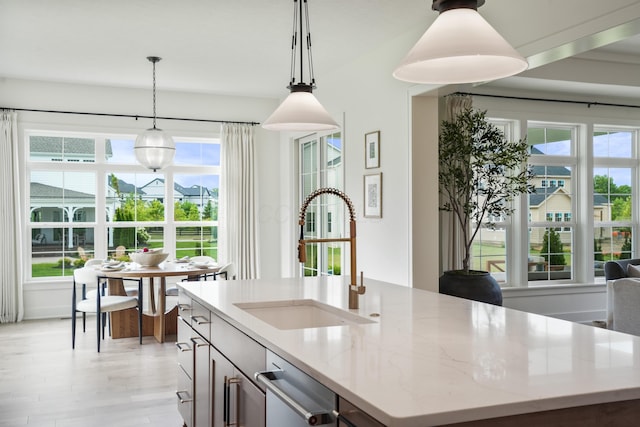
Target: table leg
[[152, 296], [159, 327]]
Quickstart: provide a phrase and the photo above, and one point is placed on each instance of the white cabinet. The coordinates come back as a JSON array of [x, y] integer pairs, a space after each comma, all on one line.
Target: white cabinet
[[185, 390], [201, 383], [216, 362]]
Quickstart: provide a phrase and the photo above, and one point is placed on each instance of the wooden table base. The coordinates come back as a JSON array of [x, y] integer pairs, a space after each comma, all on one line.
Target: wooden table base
[[124, 323]]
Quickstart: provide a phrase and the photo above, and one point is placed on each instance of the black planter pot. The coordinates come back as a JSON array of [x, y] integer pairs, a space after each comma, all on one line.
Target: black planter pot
[[477, 286]]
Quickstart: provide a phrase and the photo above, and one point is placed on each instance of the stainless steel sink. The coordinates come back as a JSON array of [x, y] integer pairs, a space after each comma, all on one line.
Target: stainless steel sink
[[301, 314]]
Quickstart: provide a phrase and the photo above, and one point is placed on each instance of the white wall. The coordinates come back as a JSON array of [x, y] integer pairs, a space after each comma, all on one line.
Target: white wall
[[53, 300], [367, 98]]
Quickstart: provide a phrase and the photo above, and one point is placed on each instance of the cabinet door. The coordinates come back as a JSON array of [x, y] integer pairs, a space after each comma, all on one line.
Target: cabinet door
[[249, 402], [201, 386], [221, 373]]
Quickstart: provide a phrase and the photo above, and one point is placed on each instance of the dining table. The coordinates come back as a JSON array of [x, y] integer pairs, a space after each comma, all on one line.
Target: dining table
[[158, 320]]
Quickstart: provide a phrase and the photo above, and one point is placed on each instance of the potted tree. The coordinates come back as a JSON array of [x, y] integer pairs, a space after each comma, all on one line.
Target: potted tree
[[479, 176]]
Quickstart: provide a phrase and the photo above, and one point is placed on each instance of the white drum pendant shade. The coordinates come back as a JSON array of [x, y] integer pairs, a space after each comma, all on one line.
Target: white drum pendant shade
[[154, 149], [300, 111], [460, 47]]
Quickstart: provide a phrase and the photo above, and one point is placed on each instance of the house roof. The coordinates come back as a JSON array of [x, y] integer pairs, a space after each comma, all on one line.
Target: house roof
[[550, 171], [542, 194], [59, 145], [44, 191], [193, 191]]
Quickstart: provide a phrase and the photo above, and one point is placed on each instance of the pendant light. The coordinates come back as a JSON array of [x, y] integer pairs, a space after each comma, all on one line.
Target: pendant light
[[460, 47], [300, 111], [154, 149]]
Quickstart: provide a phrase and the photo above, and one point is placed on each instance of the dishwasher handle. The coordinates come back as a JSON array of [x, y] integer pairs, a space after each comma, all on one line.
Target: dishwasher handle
[[312, 418]]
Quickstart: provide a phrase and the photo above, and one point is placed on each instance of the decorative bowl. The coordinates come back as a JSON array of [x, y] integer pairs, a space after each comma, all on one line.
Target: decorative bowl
[[148, 259]]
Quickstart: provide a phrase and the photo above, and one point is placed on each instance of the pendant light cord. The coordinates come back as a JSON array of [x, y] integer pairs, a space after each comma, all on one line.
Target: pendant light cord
[[299, 25], [153, 61], [310, 57]]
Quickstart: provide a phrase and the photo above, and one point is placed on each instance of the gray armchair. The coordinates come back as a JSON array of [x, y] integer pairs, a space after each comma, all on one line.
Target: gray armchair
[[618, 269], [623, 305], [623, 297]]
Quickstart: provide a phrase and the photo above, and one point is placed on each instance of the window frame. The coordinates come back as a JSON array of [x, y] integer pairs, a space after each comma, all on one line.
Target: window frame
[[101, 168]]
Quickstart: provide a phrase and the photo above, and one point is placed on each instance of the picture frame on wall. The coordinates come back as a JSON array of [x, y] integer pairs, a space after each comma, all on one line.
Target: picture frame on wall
[[373, 195], [372, 150]]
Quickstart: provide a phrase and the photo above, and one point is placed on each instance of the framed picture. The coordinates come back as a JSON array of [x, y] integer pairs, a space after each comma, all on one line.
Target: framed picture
[[373, 195], [372, 150]]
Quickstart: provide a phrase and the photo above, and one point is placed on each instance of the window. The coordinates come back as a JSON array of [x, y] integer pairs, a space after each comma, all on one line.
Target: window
[[614, 175], [320, 165], [489, 249], [553, 160], [585, 197], [88, 198]]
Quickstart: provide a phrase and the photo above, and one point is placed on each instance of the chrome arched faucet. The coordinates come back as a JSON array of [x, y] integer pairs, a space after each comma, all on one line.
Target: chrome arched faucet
[[354, 289]]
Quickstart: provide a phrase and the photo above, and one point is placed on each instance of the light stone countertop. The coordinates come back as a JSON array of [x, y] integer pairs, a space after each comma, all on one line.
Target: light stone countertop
[[430, 359]]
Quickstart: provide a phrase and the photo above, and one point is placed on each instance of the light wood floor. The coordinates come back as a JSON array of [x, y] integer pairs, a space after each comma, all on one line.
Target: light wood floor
[[44, 383]]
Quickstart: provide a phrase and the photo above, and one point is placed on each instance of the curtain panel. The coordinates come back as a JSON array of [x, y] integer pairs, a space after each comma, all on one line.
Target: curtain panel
[[238, 200], [451, 242], [11, 298]]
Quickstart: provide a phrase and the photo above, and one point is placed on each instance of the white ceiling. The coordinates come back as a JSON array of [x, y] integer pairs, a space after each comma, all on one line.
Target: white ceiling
[[238, 47], [215, 46]]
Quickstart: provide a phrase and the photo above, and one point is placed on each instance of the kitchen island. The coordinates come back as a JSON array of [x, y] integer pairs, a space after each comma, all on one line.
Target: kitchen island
[[425, 359]]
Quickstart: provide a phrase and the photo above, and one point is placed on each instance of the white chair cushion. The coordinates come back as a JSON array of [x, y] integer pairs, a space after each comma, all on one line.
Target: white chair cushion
[[633, 270], [107, 304]]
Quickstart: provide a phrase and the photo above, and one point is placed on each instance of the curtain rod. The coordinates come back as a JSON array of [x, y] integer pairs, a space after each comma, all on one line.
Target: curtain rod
[[131, 116], [589, 104]]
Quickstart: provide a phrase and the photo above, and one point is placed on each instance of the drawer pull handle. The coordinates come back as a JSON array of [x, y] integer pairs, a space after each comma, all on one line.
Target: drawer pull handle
[[184, 307], [312, 418], [228, 382], [199, 342], [200, 320], [183, 346], [184, 399]]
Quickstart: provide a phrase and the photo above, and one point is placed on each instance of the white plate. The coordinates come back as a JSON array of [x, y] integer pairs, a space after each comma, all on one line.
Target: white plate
[[201, 265], [114, 268]]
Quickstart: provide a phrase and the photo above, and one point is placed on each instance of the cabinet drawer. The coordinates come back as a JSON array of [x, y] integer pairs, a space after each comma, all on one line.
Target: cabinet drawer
[[184, 395], [185, 348], [184, 305], [246, 354], [200, 319], [350, 415]]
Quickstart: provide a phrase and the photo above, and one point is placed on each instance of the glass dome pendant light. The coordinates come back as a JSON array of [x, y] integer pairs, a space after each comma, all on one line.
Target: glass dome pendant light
[[154, 149], [460, 47], [300, 111]]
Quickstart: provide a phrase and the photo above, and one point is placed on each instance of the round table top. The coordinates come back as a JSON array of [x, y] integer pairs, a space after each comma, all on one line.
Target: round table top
[[165, 269]]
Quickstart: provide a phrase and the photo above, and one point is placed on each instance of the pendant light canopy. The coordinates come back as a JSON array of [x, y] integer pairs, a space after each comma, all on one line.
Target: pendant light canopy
[[300, 111], [154, 149], [460, 47]]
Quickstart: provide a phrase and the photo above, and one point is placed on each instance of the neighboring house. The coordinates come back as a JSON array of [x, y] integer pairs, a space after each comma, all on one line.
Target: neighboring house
[[551, 202], [45, 207], [195, 194], [80, 207]]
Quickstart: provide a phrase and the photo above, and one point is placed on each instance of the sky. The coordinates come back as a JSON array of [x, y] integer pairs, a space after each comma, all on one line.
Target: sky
[[611, 145], [187, 153]]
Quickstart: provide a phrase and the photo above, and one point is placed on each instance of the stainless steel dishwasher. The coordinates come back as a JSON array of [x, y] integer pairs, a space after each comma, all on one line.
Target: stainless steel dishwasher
[[293, 397]]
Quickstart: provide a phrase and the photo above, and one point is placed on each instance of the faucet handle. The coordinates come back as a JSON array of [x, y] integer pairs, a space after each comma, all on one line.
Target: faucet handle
[[302, 251]]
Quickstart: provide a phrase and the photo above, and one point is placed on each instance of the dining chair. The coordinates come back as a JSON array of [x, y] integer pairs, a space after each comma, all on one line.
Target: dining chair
[[225, 271], [173, 291], [100, 304]]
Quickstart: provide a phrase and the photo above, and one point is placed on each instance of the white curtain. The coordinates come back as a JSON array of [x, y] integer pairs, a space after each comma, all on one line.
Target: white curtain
[[451, 242], [11, 304], [238, 200]]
